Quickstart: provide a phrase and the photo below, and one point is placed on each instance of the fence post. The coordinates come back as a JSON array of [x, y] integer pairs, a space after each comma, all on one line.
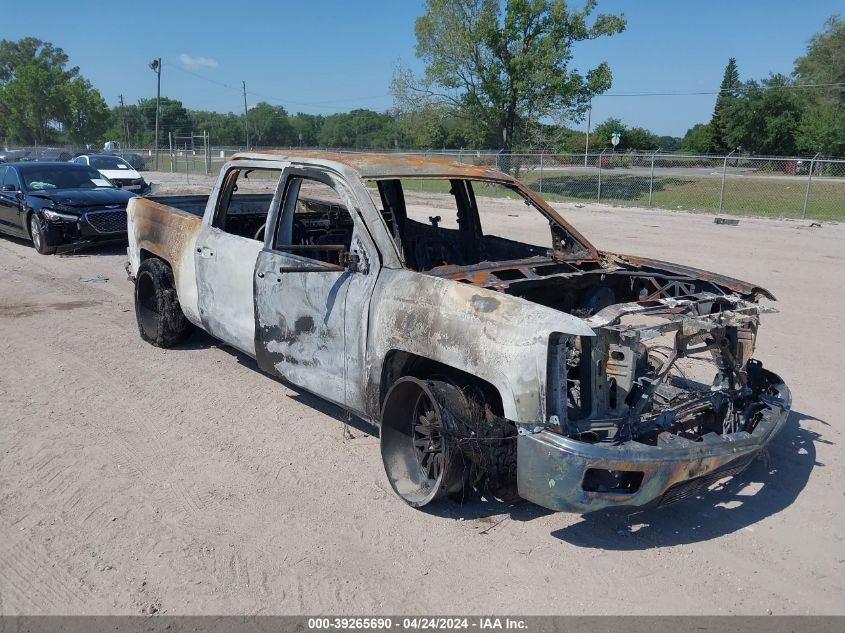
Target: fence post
[[651, 179], [541, 170], [809, 182], [724, 172], [600, 161]]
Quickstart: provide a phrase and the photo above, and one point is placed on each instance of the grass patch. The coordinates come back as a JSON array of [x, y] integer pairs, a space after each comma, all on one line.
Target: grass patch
[[758, 197]]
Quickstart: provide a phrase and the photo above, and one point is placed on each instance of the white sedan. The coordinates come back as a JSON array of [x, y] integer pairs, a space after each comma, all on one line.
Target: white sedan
[[117, 170]]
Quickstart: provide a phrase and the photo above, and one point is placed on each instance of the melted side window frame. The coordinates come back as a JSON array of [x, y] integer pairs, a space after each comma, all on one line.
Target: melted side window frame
[[229, 187], [363, 243]]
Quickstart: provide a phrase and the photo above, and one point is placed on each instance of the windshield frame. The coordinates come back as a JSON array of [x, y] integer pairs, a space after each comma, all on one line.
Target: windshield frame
[[565, 237]]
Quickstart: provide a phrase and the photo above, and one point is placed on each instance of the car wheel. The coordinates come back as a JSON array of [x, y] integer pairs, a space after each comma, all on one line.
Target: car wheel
[[39, 239], [161, 321], [419, 447]]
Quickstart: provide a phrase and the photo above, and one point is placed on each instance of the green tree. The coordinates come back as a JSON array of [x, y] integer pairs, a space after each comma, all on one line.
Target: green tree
[[728, 92], [765, 119], [87, 113], [43, 100], [223, 129], [575, 142], [504, 71], [822, 130], [306, 128], [33, 103], [639, 138], [697, 139], [359, 129], [635, 138], [173, 119], [433, 127], [669, 143], [15, 54], [601, 134], [269, 126], [824, 63], [822, 126]]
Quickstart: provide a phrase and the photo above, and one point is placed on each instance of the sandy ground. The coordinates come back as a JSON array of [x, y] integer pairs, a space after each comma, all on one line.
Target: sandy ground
[[134, 479]]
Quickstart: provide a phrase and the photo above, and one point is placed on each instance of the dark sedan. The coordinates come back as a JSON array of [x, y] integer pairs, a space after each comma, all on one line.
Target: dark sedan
[[58, 204], [136, 160], [51, 155]]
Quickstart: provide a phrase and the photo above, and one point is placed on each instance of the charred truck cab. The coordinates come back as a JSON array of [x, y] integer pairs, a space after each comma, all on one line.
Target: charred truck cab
[[489, 350]]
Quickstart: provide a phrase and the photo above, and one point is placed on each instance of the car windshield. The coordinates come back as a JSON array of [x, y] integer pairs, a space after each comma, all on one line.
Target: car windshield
[[47, 179], [462, 222], [108, 162]]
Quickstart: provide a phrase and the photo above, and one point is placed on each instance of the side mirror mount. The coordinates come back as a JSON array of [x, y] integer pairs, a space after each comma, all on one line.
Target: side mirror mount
[[353, 263]]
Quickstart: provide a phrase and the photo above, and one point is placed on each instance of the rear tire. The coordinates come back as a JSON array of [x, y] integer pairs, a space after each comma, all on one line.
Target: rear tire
[[38, 237], [161, 321]]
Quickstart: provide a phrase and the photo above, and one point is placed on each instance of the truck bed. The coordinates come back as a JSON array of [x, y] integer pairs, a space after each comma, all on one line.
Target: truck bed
[[195, 205], [246, 204], [167, 226]]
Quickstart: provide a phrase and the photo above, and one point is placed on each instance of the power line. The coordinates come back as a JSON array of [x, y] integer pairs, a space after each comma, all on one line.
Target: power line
[[676, 93], [322, 103], [203, 77], [280, 101], [354, 100]]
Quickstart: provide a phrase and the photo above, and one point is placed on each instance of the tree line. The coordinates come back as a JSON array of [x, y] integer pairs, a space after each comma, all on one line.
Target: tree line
[[782, 115], [496, 76]]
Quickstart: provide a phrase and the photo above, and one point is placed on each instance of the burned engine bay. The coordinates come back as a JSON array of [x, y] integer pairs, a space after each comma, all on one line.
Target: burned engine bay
[[671, 360]]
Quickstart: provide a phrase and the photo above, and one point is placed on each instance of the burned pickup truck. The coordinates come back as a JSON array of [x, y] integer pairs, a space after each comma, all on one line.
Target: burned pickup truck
[[454, 308]]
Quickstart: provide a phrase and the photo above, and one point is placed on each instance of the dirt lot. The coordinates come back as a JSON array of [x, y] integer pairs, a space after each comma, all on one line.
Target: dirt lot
[[134, 479]]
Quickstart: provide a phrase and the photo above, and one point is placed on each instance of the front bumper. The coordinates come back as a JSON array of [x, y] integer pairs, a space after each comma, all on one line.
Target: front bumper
[[92, 227], [551, 468]]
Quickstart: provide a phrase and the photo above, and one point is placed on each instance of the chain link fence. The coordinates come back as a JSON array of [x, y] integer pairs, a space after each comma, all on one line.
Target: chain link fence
[[808, 188]]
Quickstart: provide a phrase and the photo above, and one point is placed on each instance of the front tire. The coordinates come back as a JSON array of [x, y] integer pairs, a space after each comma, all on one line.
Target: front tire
[[419, 448], [38, 236], [161, 321]]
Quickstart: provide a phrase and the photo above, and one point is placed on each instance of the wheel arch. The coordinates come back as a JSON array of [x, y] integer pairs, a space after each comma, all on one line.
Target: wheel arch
[[27, 216], [145, 254], [399, 363]]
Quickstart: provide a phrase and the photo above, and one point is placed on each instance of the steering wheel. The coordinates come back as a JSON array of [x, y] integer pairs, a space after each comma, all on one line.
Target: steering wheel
[[259, 234]]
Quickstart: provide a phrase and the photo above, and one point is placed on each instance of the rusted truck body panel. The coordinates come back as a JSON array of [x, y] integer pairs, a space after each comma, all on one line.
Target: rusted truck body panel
[[588, 355]]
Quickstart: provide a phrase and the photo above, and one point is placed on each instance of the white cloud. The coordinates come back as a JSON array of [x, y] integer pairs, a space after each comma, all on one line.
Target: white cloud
[[189, 61]]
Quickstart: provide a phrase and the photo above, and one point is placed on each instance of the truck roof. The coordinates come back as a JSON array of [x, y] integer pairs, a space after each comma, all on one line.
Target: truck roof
[[373, 165]]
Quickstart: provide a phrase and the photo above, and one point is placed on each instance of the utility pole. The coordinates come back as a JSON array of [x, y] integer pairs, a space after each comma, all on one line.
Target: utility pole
[[155, 65], [125, 125], [246, 120]]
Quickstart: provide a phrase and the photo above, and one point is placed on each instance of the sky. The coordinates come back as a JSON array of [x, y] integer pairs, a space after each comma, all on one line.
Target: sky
[[335, 55]]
